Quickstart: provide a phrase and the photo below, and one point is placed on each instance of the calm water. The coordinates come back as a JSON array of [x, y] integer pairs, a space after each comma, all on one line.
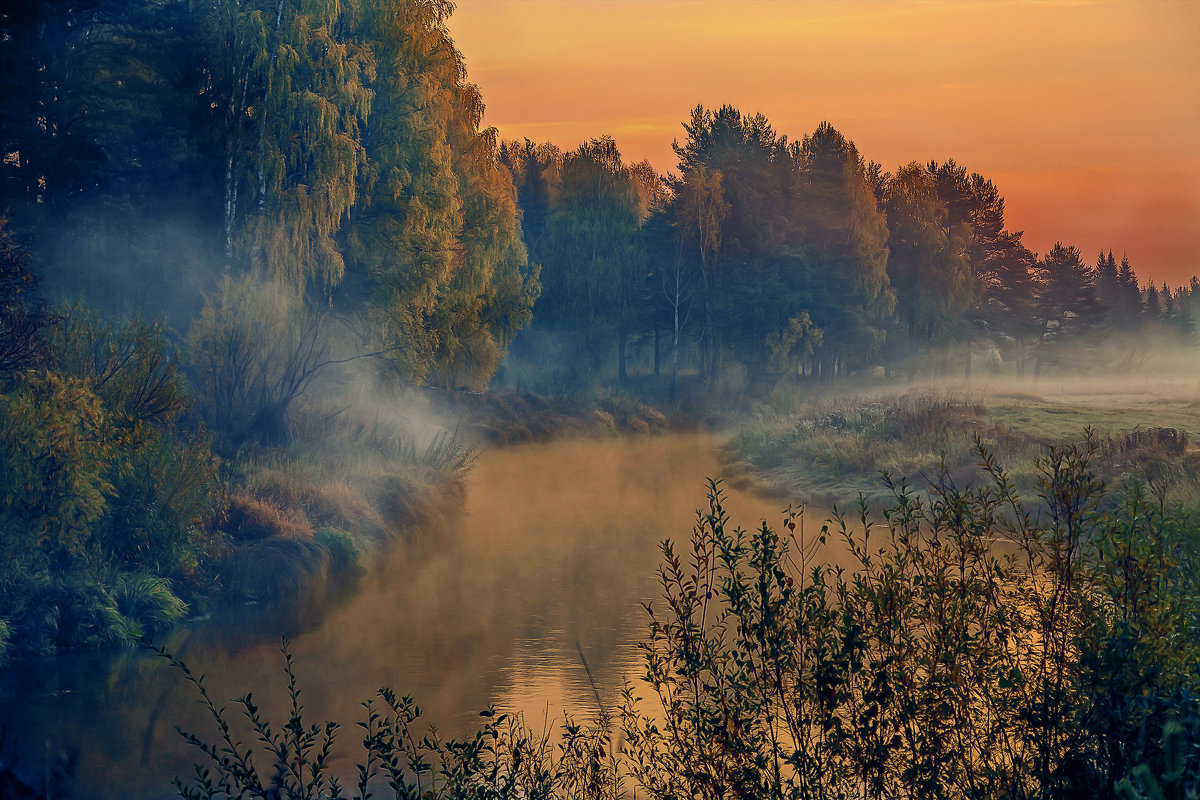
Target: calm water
[[555, 549]]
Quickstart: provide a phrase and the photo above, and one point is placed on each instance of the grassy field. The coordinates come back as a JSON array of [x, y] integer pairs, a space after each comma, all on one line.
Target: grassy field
[[832, 448]]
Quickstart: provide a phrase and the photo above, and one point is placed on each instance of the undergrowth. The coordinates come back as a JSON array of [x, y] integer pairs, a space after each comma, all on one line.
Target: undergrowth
[[840, 447], [985, 644]]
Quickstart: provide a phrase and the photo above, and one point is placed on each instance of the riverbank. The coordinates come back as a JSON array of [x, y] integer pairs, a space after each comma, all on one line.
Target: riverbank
[[303, 521], [832, 449], [552, 549]]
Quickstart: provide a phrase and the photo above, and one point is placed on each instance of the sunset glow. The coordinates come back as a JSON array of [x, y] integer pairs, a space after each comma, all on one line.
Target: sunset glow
[[1085, 114]]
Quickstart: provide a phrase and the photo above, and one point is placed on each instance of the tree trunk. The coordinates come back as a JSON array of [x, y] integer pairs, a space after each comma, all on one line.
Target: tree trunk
[[656, 351], [622, 340]]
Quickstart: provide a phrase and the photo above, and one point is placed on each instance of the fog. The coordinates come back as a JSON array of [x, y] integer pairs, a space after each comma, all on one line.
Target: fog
[[555, 548]]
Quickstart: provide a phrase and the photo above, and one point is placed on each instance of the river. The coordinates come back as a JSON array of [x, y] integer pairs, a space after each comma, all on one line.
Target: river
[[555, 550]]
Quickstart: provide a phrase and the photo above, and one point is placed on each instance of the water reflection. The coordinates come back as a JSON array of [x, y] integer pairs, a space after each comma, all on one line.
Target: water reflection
[[555, 550]]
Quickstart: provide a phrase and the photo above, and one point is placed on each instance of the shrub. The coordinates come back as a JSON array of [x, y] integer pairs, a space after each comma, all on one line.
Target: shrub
[[147, 602], [166, 495], [502, 759], [978, 648]]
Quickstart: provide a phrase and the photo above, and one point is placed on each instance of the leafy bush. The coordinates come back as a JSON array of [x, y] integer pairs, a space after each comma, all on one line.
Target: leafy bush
[[166, 495], [99, 482], [978, 649], [128, 365], [502, 759], [56, 454]]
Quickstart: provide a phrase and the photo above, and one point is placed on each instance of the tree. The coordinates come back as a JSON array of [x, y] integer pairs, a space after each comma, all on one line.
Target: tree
[[50, 146], [491, 294], [294, 89], [536, 172], [1068, 313], [699, 212], [1010, 298], [22, 316], [974, 203], [759, 277], [846, 236], [593, 260], [435, 247], [928, 263], [253, 351], [1108, 285]]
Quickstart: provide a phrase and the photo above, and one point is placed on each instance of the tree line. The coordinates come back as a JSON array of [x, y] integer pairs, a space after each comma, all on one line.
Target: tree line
[[333, 149], [801, 258]]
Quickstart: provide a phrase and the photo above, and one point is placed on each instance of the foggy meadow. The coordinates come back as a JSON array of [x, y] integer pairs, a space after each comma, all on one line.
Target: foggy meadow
[[780, 473]]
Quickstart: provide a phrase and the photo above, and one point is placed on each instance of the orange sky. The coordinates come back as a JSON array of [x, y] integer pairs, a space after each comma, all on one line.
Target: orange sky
[[1085, 114]]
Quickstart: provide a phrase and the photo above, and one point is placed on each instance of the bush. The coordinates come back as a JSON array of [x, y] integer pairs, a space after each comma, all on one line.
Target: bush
[[502, 759], [166, 495], [978, 649]]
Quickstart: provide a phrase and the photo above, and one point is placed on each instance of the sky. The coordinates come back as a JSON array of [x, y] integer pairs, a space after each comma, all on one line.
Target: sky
[[1085, 113]]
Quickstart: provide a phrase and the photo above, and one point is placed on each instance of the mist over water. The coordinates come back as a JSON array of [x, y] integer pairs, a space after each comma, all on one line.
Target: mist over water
[[555, 548]]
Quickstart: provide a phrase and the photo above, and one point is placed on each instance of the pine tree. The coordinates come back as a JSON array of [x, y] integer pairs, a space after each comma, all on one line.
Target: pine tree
[[1129, 303], [1070, 316], [1009, 308], [1108, 286], [928, 264], [846, 236]]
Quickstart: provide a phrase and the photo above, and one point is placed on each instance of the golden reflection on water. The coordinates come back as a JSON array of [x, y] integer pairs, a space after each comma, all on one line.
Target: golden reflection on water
[[555, 550]]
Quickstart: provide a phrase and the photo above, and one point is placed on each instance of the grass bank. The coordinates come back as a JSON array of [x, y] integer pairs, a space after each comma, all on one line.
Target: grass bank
[[833, 448], [306, 516]]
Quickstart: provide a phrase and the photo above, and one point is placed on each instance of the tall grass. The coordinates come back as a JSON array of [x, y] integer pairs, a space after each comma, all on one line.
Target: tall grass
[[843, 445]]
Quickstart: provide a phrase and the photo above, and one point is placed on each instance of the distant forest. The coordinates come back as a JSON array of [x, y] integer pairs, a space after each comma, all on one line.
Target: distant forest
[[334, 152]]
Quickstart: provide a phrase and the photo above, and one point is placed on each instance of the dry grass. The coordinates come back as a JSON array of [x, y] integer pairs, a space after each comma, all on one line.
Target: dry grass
[[503, 419], [303, 515], [837, 448], [252, 518]]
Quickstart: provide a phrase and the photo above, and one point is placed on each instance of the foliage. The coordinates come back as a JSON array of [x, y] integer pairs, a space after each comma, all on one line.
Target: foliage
[[503, 758], [592, 259], [21, 314], [166, 495], [130, 367], [969, 653], [100, 485], [1179, 776], [1066, 307], [56, 448]]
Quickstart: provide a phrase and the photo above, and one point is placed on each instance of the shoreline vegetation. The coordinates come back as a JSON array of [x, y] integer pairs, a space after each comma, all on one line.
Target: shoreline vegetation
[[833, 448], [1061, 664], [261, 263]]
